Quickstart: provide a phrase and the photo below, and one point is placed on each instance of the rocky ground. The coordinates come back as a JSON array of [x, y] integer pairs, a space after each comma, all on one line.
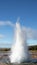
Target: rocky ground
[[18, 64]]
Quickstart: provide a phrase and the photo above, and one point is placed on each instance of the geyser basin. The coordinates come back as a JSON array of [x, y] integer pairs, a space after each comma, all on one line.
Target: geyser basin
[[19, 51]]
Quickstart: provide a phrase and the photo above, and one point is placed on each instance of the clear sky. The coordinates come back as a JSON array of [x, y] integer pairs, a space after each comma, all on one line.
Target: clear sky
[[10, 11]]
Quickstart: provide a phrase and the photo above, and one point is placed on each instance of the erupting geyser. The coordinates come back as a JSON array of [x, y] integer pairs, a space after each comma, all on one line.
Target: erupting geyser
[[19, 51]]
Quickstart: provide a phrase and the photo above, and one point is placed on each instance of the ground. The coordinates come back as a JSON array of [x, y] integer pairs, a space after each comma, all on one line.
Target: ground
[[18, 64]]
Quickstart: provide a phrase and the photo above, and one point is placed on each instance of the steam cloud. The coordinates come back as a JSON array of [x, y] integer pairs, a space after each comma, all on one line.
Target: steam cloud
[[31, 34]]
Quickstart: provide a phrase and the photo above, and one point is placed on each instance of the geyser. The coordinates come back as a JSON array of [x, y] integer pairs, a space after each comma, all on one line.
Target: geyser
[[19, 51]]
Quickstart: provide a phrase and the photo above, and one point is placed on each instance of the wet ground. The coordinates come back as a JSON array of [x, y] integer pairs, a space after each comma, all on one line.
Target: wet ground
[[18, 64], [4, 59]]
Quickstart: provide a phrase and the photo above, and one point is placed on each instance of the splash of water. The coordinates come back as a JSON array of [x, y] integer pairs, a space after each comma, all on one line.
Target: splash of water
[[19, 51]]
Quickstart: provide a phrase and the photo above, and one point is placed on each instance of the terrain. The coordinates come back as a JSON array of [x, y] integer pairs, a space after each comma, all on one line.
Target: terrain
[[4, 53]]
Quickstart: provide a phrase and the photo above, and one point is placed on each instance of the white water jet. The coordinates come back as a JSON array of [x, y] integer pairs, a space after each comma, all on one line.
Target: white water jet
[[19, 51]]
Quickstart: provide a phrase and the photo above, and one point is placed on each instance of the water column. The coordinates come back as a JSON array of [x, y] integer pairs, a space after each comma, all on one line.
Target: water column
[[19, 52]]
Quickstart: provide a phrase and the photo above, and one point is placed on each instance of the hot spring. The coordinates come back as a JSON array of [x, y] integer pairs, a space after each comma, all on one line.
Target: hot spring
[[19, 51]]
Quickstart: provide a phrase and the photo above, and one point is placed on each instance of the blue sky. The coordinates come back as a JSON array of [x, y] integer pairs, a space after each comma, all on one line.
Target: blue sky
[[10, 11]]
